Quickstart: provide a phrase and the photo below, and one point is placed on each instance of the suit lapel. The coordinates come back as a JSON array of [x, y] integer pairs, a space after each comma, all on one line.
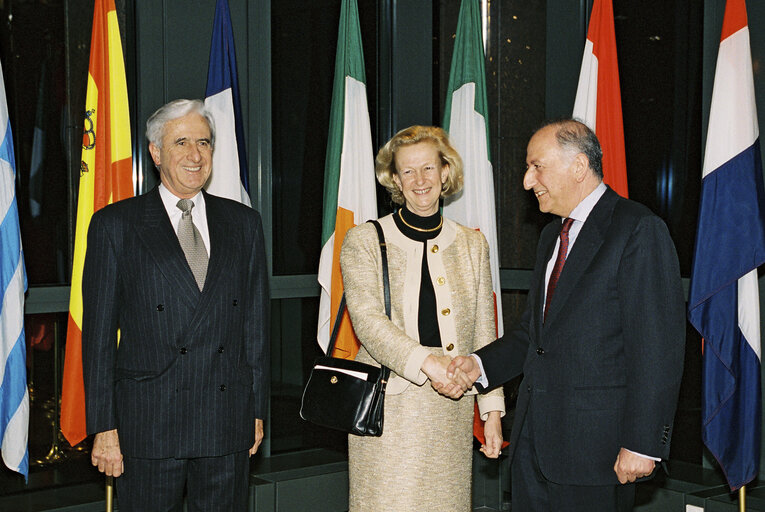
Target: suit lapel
[[159, 238], [587, 244], [222, 246]]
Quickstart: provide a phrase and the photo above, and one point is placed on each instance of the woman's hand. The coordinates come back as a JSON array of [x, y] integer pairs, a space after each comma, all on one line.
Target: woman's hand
[[492, 431], [435, 368]]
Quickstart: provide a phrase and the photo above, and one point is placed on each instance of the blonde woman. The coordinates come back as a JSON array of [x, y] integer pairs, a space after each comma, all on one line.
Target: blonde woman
[[441, 307]]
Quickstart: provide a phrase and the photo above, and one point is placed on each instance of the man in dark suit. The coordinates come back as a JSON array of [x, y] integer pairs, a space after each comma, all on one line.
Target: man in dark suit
[[176, 400], [601, 341]]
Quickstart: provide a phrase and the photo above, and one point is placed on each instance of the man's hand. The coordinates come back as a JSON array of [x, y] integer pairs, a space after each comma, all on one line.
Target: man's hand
[[631, 466], [106, 453], [492, 432], [258, 436]]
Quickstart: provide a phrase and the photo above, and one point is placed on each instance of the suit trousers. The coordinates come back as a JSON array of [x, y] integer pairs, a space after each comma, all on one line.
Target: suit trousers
[[212, 484], [532, 492]]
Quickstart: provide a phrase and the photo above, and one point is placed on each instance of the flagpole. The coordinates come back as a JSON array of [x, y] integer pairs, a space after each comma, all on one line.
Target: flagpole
[[742, 499], [109, 493]]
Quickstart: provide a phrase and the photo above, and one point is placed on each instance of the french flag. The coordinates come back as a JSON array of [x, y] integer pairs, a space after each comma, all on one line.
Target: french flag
[[730, 244], [229, 173]]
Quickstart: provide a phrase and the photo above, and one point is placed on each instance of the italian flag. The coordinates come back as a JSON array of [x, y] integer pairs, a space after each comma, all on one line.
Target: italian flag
[[106, 176], [598, 96], [349, 177], [466, 120]]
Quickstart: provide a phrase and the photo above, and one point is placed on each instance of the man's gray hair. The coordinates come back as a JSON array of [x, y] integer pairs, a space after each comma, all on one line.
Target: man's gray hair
[[155, 125], [574, 135]]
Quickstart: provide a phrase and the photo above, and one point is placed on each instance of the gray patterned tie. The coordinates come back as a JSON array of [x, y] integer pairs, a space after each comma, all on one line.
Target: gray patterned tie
[[191, 243]]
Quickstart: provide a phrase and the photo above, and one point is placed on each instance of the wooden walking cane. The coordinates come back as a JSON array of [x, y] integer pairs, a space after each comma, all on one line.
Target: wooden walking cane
[[109, 493]]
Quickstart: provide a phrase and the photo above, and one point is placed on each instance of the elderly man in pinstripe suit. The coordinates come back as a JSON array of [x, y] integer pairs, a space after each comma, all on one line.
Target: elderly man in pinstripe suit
[[177, 404]]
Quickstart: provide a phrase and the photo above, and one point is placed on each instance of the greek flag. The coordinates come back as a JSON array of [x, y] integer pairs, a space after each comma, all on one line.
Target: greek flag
[[14, 398]]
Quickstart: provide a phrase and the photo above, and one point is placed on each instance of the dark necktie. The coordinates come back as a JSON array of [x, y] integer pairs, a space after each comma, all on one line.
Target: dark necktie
[[191, 243], [559, 262]]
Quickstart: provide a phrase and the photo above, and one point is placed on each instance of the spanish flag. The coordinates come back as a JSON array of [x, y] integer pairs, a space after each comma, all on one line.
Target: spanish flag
[[106, 176]]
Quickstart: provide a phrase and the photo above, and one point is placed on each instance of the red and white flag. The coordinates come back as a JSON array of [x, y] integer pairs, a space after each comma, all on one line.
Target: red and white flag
[[598, 96]]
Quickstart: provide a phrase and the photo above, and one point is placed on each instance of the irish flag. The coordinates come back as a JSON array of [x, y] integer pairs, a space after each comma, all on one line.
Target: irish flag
[[106, 176], [598, 96], [466, 120], [349, 176]]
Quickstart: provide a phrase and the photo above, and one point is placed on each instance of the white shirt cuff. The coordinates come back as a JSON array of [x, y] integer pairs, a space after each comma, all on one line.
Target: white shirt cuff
[[482, 380], [644, 456]]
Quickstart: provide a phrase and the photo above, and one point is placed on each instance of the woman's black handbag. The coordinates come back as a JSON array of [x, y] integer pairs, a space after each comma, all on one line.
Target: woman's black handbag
[[343, 394]]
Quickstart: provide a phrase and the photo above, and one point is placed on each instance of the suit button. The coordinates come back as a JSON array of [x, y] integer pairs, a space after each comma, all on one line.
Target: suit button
[[220, 349], [236, 302], [528, 388], [450, 346], [540, 351], [183, 350], [446, 311], [223, 387], [434, 249], [160, 307], [440, 281]]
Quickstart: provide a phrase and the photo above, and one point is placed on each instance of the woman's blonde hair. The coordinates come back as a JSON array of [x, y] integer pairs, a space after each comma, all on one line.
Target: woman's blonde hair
[[385, 164]]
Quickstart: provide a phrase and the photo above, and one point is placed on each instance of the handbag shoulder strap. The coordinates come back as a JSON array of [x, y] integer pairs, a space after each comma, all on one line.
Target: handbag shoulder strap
[[386, 295], [384, 257], [386, 283], [336, 327]]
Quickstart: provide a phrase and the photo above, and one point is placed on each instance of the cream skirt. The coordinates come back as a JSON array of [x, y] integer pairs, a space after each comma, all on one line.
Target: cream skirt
[[423, 460]]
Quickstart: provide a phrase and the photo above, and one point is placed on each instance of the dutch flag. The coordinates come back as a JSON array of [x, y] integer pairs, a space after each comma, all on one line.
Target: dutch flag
[[730, 244]]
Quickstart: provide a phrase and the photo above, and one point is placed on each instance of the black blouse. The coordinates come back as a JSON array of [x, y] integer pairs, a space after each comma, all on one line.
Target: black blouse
[[427, 319]]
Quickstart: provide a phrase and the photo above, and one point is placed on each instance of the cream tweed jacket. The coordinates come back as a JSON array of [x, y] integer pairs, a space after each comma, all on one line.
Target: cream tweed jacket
[[458, 262]]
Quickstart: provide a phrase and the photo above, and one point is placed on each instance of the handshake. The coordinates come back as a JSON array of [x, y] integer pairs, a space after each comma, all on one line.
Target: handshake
[[451, 377]]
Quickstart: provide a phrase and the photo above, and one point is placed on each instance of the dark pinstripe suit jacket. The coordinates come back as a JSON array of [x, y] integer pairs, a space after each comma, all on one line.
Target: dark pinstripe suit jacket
[[191, 372], [603, 371]]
